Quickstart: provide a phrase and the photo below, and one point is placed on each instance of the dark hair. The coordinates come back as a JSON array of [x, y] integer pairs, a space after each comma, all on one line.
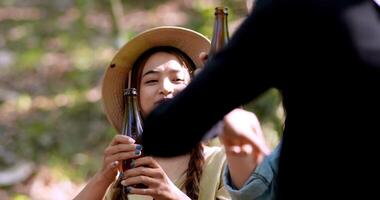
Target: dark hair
[[196, 162], [194, 172]]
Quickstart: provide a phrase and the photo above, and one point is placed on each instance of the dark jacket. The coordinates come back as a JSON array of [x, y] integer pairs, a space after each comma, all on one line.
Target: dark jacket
[[324, 57]]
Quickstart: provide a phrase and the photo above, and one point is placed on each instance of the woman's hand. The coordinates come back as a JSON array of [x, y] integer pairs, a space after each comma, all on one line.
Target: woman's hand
[[148, 172], [121, 148], [242, 134], [245, 145], [203, 58]]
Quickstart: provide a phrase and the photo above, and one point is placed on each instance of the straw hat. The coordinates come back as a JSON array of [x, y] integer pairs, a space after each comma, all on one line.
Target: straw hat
[[116, 75]]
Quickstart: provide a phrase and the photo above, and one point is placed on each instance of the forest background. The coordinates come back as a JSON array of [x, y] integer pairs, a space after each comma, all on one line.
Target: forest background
[[52, 57]]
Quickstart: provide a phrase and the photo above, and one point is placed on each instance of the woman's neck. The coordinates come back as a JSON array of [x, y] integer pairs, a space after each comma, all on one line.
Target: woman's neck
[[174, 167]]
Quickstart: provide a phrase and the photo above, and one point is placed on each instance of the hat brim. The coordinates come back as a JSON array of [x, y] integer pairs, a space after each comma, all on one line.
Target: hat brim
[[116, 75]]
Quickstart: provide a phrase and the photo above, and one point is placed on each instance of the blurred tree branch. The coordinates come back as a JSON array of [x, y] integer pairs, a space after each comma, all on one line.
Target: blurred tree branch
[[118, 14]]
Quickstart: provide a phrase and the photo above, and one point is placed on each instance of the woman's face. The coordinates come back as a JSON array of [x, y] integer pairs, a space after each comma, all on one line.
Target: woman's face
[[162, 78]]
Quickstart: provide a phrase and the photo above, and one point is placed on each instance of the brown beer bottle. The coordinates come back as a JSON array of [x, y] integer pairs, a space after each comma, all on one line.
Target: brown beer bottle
[[219, 39], [220, 35], [132, 127]]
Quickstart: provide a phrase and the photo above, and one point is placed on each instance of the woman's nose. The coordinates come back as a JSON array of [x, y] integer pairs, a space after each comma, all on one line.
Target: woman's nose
[[166, 87]]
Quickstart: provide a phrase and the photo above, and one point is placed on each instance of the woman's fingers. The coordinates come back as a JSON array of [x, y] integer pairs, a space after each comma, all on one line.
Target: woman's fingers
[[146, 161], [203, 56], [259, 144], [120, 139], [145, 180], [122, 156], [241, 128], [143, 191], [253, 146], [238, 150], [145, 166], [146, 171], [121, 148], [142, 171]]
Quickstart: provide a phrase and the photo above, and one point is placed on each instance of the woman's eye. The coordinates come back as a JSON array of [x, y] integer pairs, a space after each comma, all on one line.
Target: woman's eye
[[150, 81], [179, 80]]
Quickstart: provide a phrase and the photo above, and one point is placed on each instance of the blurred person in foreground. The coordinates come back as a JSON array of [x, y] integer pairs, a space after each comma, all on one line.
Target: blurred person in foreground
[[324, 57], [251, 169]]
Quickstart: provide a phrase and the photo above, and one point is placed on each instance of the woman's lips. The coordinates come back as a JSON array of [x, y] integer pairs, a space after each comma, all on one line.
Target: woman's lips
[[162, 101]]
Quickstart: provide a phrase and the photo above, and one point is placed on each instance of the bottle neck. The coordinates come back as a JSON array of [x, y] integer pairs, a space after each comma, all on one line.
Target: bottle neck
[[132, 120], [220, 35], [130, 92]]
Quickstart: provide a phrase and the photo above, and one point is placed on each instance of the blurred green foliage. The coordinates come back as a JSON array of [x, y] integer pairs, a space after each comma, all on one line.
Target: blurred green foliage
[[52, 57]]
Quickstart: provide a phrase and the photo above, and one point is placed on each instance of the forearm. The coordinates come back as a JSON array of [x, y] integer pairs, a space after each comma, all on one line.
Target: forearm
[[240, 169], [261, 183], [95, 189]]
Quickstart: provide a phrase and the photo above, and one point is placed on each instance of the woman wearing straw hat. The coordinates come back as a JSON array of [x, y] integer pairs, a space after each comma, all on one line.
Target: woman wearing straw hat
[[163, 61]]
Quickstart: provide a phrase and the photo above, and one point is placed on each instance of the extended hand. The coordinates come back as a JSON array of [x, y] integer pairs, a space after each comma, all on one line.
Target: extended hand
[[245, 145]]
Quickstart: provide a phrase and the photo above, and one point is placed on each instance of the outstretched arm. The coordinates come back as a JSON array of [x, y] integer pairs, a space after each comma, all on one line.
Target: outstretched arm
[[232, 77], [245, 145], [251, 171]]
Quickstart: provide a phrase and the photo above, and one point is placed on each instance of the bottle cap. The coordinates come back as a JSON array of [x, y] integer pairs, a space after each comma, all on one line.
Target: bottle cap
[[221, 10]]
